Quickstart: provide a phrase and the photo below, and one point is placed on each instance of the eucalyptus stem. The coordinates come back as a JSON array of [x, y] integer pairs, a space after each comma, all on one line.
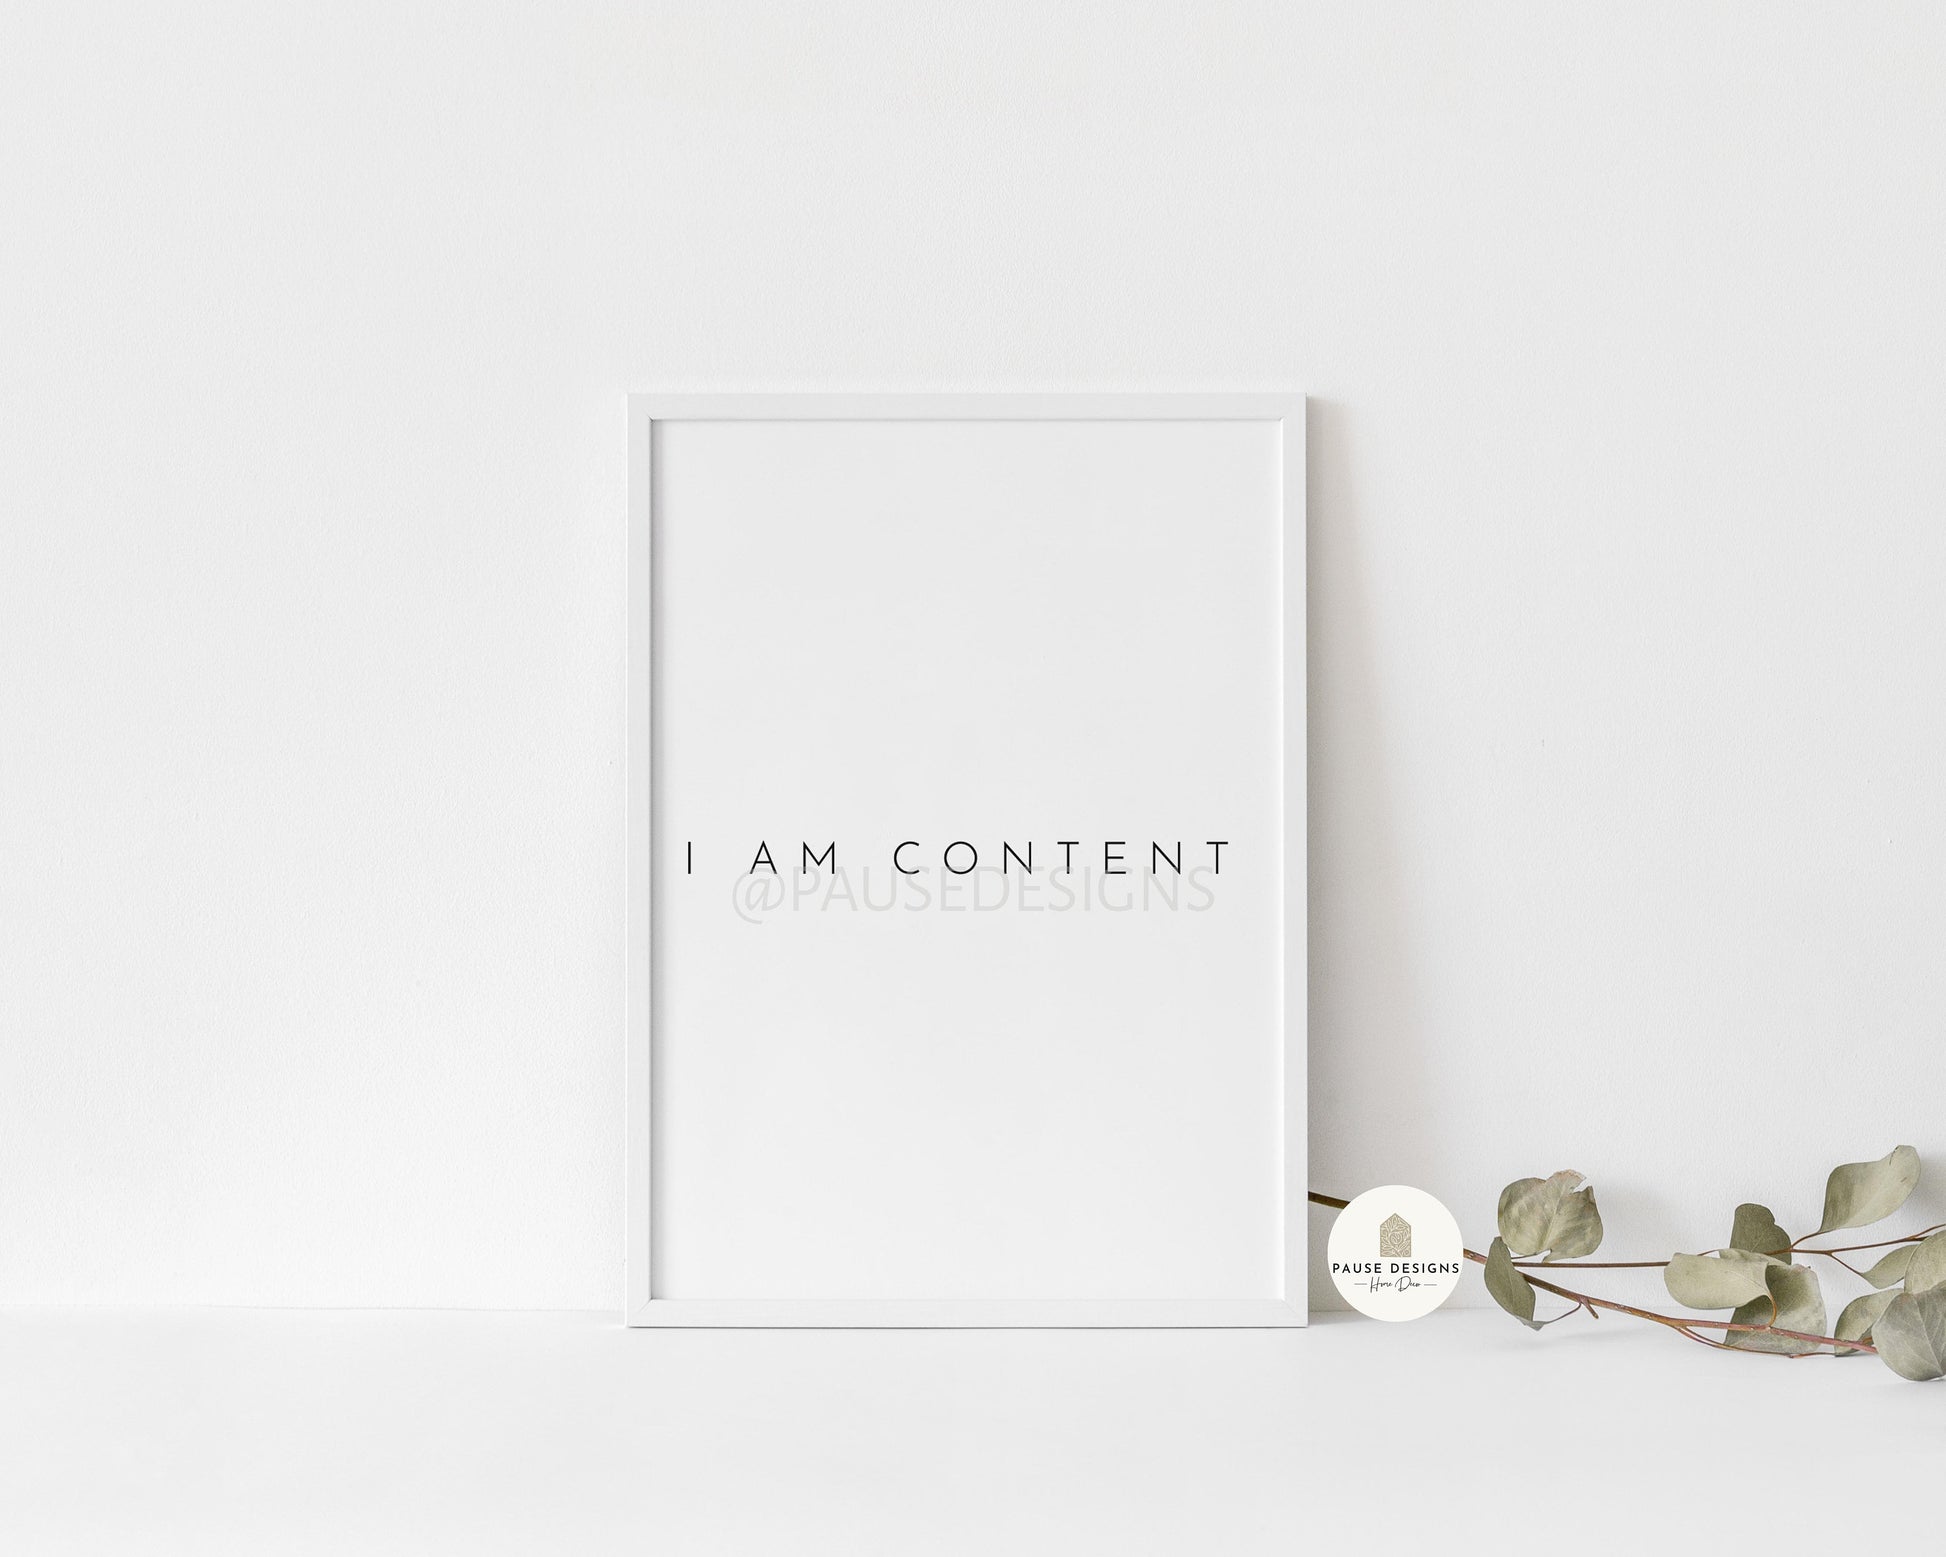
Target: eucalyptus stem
[[1682, 1325]]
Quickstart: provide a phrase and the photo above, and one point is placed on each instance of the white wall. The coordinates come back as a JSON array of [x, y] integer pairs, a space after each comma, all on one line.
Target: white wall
[[1625, 329]]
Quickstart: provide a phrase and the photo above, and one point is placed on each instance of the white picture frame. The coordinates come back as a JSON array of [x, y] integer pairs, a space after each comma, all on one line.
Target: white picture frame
[[1263, 426]]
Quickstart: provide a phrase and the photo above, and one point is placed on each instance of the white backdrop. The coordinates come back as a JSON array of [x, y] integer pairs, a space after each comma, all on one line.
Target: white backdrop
[[1624, 330]]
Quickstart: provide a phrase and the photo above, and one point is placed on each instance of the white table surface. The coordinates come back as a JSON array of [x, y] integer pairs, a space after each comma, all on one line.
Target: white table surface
[[209, 1431]]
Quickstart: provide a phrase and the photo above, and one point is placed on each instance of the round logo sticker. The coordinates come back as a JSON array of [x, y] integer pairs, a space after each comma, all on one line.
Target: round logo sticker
[[1396, 1253]]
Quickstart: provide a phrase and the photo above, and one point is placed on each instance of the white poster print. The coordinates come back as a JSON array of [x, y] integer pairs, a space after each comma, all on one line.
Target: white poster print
[[974, 991]]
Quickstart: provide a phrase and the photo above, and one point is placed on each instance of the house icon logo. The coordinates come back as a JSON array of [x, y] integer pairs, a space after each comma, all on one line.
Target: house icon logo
[[1395, 1253], [1395, 1238]]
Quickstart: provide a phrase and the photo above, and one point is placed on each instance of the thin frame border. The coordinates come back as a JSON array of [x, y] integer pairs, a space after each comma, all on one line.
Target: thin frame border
[[643, 1310]]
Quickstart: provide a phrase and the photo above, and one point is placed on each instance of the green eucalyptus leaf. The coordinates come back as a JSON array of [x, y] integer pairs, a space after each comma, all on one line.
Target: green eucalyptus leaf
[[1860, 1193], [1800, 1306], [1706, 1281], [1527, 1208], [1756, 1230], [1575, 1231], [1861, 1313], [1510, 1289], [1890, 1271], [1927, 1268], [1550, 1214], [1911, 1334]]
